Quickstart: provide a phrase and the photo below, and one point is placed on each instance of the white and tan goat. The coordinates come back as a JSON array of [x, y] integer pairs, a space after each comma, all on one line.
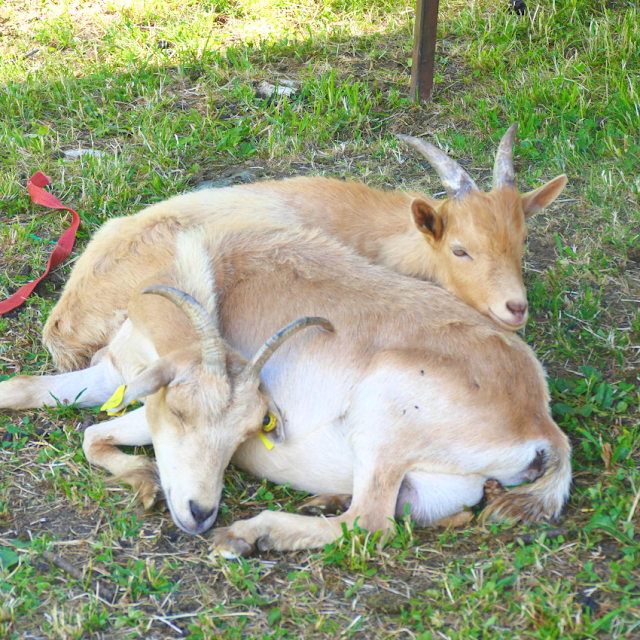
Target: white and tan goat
[[415, 398], [471, 243]]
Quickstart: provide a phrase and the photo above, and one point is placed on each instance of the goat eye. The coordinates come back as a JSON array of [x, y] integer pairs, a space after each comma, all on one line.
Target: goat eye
[[460, 253]]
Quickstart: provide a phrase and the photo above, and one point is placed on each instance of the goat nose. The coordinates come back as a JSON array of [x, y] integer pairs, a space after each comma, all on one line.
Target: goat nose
[[199, 514], [518, 309]]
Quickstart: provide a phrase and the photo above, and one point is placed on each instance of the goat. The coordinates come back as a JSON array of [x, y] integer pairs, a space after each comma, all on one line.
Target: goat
[[471, 243], [415, 399]]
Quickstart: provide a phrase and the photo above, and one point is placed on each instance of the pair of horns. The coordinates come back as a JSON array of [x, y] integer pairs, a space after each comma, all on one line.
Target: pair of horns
[[213, 350], [457, 182]]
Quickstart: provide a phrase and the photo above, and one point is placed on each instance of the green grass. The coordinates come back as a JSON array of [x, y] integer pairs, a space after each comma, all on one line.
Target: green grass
[[166, 92]]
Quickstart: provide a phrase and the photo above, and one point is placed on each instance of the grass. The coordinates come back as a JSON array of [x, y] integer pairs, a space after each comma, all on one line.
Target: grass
[[166, 91]]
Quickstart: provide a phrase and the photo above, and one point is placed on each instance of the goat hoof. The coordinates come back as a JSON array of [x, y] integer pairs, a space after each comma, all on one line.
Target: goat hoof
[[230, 548], [461, 519], [148, 494], [149, 497], [144, 481], [325, 505], [265, 543], [492, 490]]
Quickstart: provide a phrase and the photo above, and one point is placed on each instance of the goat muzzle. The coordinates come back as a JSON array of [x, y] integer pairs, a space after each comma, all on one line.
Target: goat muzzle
[[199, 514]]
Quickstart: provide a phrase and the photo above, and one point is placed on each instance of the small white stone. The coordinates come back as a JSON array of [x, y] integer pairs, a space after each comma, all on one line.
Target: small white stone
[[73, 154], [283, 88]]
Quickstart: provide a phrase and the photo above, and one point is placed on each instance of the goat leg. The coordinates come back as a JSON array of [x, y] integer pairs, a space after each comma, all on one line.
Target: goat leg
[[87, 388], [372, 508], [332, 505], [100, 447]]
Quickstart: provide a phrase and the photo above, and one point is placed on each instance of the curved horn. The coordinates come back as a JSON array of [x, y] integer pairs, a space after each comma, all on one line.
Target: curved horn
[[504, 174], [266, 351], [213, 353], [457, 182]]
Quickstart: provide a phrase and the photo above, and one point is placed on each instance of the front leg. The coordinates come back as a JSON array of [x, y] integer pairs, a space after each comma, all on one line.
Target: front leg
[[87, 388], [375, 493], [100, 447], [331, 505]]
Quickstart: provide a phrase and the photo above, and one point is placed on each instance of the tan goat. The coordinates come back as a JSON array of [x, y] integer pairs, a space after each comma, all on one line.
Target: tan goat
[[415, 399], [471, 243]]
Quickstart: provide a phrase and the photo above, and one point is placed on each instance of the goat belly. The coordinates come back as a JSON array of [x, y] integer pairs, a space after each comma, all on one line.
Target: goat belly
[[318, 462], [434, 496]]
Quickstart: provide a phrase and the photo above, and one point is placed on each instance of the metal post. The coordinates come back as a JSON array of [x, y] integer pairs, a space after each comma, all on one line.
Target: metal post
[[424, 49]]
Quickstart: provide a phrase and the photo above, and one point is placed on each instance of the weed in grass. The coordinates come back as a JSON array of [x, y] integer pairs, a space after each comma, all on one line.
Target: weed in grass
[[353, 550]]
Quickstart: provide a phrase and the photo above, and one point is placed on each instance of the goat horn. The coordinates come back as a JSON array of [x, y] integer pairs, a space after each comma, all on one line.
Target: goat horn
[[268, 348], [213, 352], [457, 182], [504, 174]]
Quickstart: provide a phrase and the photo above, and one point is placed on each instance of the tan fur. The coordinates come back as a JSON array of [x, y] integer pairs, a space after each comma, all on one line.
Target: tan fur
[[377, 224], [404, 311], [414, 389]]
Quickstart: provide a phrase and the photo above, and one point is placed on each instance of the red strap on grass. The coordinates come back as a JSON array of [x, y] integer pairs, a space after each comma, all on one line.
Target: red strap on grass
[[63, 248]]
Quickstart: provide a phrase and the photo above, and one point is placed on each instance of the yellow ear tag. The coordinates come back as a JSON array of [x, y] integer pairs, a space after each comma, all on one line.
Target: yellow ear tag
[[114, 401], [271, 425], [267, 443]]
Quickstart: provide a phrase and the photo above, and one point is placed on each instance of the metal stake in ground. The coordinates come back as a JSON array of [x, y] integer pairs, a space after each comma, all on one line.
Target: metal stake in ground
[[424, 49]]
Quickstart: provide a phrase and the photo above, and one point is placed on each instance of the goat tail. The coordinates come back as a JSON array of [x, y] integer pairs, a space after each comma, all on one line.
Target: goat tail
[[542, 499]]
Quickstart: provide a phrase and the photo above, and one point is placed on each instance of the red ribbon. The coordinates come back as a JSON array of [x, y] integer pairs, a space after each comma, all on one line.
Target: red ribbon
[[63, 248]]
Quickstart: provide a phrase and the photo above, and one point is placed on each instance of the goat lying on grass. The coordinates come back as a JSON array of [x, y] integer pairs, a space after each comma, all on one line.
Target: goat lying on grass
[[470, 243], [416, 398]]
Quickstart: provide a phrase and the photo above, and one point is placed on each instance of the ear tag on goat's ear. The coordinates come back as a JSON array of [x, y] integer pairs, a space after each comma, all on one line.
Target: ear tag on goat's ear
[[269, 424], [115, 401], [267, 443]]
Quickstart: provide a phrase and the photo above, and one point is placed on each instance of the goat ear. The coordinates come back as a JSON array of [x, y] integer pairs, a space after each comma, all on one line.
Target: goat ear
[[151, 380], [427, 219], [276, 436], [533, 201]]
